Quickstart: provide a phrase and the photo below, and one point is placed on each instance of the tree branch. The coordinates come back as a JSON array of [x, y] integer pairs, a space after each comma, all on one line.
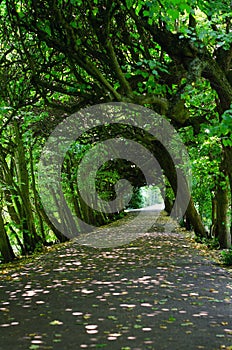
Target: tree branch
[[124, 83]]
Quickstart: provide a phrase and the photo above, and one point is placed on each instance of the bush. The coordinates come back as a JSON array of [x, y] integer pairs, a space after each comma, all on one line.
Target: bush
[[227, 257], [211, 243], [136, 201]]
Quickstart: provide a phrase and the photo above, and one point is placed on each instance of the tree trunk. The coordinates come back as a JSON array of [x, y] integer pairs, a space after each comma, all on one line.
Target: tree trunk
[[222, 230], [170, 171], [228, 164], [230, 206], [214, 216], [5, 246], [30, 236], [194, 218], [53, 228], [168, 204]]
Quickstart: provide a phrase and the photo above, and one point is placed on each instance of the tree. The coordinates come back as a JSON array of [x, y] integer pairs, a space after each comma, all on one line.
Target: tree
[[160, 54]]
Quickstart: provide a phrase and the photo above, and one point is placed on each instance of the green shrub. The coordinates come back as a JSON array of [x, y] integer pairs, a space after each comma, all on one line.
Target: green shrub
[[227, 257], [211, 243]]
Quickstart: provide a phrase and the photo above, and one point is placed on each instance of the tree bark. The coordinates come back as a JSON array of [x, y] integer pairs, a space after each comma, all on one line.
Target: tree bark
[[213, 216], [30, 235], [170, 171], [222, 230], [49, 223], [194, 218], [5, 246]]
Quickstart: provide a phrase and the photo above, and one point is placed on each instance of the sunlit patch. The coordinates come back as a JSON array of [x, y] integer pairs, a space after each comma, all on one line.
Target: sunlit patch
[[148, 342], [200, 314], [163, 327], [36, 342], [146, 329], [77, 313], [29, 293], [91, 331], [91, 326], [86, 291], [128, 305], [114, 336], [4, 309], [228, 331], [56, 323], [146, 304]]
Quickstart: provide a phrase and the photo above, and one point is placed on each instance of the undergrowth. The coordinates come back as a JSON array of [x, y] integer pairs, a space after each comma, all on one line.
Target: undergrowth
[[211, 243], [227, 257]]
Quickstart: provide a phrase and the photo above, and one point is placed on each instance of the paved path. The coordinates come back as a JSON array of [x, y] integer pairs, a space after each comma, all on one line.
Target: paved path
[[157, 292], [128, 229]]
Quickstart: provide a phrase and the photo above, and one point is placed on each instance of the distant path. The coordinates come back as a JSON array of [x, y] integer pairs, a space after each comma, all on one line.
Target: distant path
[[157, 292], [133, 226], [150, 208]]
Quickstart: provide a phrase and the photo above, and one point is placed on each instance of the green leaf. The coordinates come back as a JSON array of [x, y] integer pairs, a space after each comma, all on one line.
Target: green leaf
[[47, 29], [129, 3], [98, 346], [5, 109], [174, 14], [155, 72], [185, 7], [186, 324], [146, 13], [137, 326], [73, 24], [171, 319]]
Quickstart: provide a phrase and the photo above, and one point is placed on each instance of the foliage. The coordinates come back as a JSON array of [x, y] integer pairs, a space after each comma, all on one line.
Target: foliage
[[224, 128], [211, 243], [227, 257], [136, 201]]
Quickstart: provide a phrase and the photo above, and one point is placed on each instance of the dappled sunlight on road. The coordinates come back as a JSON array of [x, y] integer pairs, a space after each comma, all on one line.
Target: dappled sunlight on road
[[147, 294]]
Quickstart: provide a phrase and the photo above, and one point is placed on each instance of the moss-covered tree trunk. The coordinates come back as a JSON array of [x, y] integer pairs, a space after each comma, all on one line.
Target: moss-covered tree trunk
[[194, 218], [213, 215], [61, 238], [222, 229], [5, 246], [30, 236], [169, 168]]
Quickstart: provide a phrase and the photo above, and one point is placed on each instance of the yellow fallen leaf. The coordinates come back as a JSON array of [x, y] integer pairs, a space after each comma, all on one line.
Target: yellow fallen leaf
[[163, 327], [56, 323]]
